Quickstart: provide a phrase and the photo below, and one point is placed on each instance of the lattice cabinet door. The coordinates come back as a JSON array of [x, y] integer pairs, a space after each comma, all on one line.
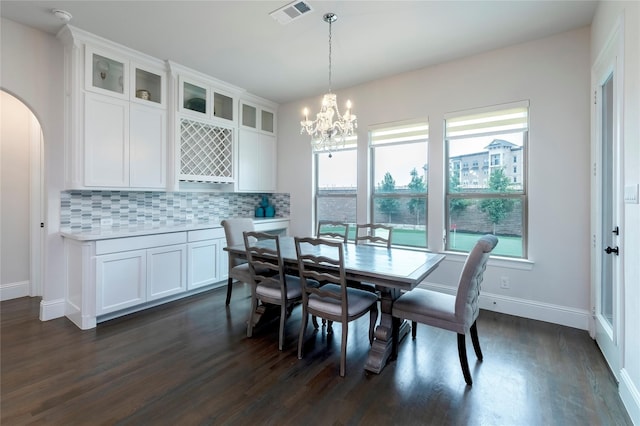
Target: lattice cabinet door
[[206, 152]]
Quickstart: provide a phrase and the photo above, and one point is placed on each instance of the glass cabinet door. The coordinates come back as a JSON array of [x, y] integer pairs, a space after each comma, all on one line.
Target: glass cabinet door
[[222, 106], [249, 116], [194, 97], [106, 73], [148, 86], [267, 121]]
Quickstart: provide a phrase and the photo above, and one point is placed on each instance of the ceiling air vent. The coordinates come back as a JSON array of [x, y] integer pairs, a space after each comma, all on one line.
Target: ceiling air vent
[[292, 11]]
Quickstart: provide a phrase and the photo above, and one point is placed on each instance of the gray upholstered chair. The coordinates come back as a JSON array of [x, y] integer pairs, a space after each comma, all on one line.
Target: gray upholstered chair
[[333, 301], [374, 233], [457, 313], [269, 282], [238, 267], [333, 230]]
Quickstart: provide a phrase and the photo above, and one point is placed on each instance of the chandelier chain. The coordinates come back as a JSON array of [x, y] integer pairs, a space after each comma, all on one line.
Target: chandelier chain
[[330, 21]]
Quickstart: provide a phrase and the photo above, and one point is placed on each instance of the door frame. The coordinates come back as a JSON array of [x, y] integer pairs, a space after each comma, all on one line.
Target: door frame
[[609, 61], [36, 203]]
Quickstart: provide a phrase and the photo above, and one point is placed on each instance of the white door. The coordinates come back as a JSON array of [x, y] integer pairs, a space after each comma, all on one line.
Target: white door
[[166, 271], [606, 187]]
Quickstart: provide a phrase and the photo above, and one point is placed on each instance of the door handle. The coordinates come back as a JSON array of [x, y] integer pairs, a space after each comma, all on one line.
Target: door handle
[[610, 250]]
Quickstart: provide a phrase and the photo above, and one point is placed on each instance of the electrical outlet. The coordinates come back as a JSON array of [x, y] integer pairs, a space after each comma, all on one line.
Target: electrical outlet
[[504, 282], [106, 221]]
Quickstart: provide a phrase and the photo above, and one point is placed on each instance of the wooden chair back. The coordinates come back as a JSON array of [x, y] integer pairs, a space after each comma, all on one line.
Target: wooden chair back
[[373, 233], [333, 230]]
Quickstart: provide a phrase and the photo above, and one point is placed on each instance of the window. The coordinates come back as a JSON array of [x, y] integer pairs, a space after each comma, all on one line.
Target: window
[[399, 181], [495, 203], [337, 185]]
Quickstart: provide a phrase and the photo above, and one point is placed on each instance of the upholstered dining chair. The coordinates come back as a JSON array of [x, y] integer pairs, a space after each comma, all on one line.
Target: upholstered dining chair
[[322, 261], [333, 230], [270, 284], [457, 313], [374, 233], [238, 267]]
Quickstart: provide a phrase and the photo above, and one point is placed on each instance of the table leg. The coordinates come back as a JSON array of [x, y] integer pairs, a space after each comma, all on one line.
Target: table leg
[[382, 347]]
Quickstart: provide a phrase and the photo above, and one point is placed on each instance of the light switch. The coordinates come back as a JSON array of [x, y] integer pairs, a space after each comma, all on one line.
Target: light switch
[[631, 194]]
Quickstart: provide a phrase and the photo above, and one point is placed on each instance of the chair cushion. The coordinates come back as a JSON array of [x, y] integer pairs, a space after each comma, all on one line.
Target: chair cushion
[[271, 289], [359, 301], [429, 307], [243, 274]]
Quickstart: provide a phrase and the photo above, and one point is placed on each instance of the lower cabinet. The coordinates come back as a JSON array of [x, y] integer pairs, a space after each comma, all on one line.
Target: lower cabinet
[[121, 280], [206, 256], [166, 271]]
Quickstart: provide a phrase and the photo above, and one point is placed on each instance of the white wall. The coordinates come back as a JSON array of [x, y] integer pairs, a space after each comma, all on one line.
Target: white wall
[[554, 75], [15, 125], [32, 70], [604, 21]]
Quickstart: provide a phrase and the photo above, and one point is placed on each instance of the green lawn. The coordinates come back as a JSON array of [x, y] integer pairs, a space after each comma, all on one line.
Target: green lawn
[[460, 241]]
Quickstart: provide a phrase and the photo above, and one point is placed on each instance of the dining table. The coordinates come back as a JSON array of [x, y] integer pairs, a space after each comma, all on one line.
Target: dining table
[[392, 270]]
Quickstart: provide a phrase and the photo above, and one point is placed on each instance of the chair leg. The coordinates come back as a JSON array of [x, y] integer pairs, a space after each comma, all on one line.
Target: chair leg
[[462, 354], [283, 319], [303, 326], [229, 288], [414, 329], [252, 312], [314, 321], [329, 327], [475, 341], [343, 350]]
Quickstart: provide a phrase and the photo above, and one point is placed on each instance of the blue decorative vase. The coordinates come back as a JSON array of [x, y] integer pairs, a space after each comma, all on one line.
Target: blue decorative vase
[[259, 212], [270, 211]]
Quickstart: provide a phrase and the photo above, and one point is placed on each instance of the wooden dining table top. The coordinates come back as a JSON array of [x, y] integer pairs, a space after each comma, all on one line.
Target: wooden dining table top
[[388, 267]]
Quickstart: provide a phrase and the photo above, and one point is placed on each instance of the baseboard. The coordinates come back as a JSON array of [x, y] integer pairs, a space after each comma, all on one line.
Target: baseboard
[[556, 314], [14, 290], [630, 395], [51, 309]]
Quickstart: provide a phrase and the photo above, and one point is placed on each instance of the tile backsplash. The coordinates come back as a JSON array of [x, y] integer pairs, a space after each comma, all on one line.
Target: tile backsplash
[[83, 210]]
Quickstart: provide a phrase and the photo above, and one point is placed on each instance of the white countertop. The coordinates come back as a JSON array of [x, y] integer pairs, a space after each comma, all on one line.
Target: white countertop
[[149, 229]]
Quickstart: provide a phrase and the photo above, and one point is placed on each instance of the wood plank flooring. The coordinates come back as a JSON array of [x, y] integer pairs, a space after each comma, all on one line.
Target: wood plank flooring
[[190, 363]]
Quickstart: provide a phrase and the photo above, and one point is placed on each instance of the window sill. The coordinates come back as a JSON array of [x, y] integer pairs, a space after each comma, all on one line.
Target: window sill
[[501, 262]]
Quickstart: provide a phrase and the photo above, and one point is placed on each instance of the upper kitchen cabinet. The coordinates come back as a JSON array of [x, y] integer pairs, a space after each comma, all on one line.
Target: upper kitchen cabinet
[[257, 145], [116, 112], [202, 99], [204, 129]]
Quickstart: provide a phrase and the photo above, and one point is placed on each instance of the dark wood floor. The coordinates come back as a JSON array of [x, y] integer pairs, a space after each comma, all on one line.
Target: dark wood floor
[[190, 363]]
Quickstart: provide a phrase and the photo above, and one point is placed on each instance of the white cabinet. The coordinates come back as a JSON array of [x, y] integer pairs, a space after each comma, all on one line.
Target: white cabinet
[[116, 112], [121, 280], [106, 135], [256, 162], [166, 271], [207, 258], [257, 147]]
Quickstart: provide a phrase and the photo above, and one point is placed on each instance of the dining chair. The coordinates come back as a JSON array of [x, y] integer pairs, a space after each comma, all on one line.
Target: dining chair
[[333, 230], [270, 283], [322, 261], [457, 313], [373, 233], [238, 267]]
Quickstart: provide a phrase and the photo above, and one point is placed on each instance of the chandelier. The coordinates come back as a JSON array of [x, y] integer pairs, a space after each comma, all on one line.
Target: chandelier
[[329, 130]]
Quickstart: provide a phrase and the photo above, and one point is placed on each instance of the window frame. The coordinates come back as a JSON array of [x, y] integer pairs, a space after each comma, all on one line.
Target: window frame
[[350, 145], [373, 195], [521, 196]]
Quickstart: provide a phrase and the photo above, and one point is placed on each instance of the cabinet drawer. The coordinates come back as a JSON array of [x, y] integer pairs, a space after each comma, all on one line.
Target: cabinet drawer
[[142, 242], [205, 234]]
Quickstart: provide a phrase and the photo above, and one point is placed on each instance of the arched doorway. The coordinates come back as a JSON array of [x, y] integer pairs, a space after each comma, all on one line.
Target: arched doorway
[[21, 200]]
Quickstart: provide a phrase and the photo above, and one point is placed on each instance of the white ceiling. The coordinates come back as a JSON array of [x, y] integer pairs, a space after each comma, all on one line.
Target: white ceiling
[[238, 42]]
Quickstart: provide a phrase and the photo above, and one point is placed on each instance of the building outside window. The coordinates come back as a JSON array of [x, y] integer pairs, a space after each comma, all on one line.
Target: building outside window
[[337, 185], [399, 170], [495, 200]]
